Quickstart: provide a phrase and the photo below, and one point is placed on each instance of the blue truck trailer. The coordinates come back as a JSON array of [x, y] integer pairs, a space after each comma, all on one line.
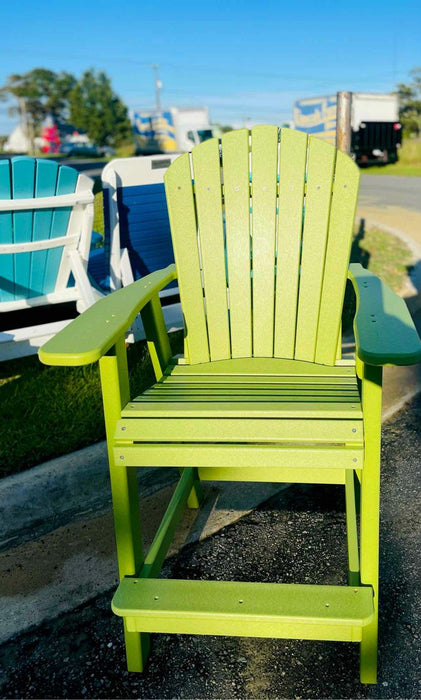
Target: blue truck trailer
[[376, 133]]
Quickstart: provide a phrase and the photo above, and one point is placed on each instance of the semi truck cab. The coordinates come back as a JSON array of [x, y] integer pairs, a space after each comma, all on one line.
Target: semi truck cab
[[199, 135]]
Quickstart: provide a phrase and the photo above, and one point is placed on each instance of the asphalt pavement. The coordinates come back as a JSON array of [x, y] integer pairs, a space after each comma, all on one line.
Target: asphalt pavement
[[394, 203], [390, 191], [297, 535]]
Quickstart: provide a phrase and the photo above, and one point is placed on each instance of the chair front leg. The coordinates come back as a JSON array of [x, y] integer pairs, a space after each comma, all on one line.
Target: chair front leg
[[369, 509], [124, 490]]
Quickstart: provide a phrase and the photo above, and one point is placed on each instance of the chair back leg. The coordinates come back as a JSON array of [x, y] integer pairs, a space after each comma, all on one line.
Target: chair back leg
[[369, 512]]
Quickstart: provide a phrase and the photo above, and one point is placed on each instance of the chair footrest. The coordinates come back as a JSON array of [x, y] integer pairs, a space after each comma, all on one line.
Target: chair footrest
[[244, 609]]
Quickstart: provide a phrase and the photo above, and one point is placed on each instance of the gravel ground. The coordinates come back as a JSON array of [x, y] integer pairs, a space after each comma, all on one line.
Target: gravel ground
[[298, 535]]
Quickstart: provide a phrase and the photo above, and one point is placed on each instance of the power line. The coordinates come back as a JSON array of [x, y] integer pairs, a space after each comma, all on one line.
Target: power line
[[188, 69]]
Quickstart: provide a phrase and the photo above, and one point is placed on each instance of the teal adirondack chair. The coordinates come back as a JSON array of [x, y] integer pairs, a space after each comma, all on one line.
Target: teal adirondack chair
[[46, 215], [261, 393]]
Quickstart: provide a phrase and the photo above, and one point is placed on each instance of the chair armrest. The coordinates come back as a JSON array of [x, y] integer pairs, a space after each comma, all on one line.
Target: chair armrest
[[93, 333], [56, 201], [384, 331]]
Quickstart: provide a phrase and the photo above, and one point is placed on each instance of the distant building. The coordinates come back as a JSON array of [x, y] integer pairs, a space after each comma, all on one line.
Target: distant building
[[17, 141]]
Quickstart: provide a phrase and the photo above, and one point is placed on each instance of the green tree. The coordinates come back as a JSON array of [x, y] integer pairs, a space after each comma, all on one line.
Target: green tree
[[96, 109], [39, 92], [410, 103], [224, 129]]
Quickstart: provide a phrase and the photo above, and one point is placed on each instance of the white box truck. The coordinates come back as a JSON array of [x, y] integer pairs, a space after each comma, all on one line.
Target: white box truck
[[376, 133], [174, 130]]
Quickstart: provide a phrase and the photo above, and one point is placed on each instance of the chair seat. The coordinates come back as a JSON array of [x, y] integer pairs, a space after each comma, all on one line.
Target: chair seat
[[312, 413], [243, 390]]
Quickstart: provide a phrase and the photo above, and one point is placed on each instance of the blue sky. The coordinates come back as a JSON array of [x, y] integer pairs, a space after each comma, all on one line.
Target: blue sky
[[245, 60]]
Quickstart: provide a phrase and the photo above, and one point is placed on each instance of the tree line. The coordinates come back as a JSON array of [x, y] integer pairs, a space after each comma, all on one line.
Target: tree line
[[410, 103], [88, 103]]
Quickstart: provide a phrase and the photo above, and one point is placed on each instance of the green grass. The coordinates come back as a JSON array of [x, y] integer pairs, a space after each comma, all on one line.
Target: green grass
[[385, 255], [396, 169], [409, 162], [49, 411], [46, 412]]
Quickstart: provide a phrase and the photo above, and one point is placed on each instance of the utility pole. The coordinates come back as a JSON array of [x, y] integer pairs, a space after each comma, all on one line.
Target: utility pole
[[158, 86], [23, 117], [343, 121], [26, 126]]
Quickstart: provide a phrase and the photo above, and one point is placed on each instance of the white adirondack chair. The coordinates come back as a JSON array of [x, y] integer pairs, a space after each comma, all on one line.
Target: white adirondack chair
[[137, 237]]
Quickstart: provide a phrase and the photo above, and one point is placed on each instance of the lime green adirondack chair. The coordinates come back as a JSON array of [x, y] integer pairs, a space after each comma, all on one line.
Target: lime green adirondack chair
[[261, 393]]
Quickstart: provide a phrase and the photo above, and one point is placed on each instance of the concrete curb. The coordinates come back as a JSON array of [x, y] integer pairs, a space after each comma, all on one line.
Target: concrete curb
[[70, 487]]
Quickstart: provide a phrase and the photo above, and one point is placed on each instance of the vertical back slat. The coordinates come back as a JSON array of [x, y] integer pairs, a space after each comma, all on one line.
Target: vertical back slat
[[7, 276], [23, 172], [342, 213], [66, 184], [321, 160], [235, 162], [181, 210], [292, 171], [45, 186], [264, 166], [208, 191], [144, 227]]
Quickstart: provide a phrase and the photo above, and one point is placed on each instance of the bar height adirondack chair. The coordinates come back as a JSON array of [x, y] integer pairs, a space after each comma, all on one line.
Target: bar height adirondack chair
[[262, 225]]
